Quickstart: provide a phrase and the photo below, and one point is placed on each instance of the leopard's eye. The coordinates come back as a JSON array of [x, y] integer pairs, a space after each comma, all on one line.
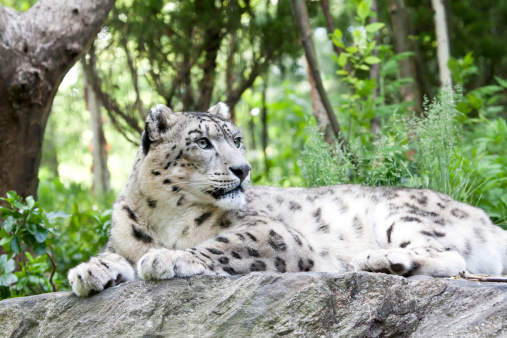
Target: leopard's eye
[[203, 143], [237, 142]]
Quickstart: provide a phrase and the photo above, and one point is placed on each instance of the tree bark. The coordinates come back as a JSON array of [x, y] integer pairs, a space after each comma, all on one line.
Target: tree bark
[[37, 48], [318, 110], [443, 49], [99, 152], [330, 29], [399, 20], [301, 17]]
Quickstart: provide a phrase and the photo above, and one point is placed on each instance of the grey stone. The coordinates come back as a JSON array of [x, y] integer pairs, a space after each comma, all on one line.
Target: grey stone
[[267, 305]]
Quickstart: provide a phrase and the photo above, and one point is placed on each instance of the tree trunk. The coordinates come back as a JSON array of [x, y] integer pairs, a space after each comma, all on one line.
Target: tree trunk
[[399, 20], [264, 119], [37, 48], [443, 50], [301, 17], [318, 110], [99, 151]]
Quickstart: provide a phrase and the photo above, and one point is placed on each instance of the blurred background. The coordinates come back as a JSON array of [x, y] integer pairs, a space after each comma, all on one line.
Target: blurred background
[[417, 88]]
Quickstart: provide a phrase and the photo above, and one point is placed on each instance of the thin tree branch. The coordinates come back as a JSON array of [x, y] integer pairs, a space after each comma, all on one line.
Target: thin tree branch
[[133, 74], [301, 17], [52, 271]]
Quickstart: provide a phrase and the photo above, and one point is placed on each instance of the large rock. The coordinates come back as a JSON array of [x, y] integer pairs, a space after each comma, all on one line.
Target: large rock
[[264, 305]]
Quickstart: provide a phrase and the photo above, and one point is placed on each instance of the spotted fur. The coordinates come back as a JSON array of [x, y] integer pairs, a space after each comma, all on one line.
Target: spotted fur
[[186, 210]]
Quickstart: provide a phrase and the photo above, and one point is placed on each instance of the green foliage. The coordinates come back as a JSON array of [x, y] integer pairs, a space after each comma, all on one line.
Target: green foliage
[[433, 155], [26, 228]]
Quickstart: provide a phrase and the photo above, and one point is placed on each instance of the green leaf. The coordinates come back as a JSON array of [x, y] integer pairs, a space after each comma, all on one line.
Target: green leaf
[[56, 214], [6, 240], [342, 72], [374, 27], [7, 265], [30, 202], [342, 60], [337, 42], [12, 195], [363, 10], [372, 60], [31, 227], [40, 249], [41, 234], [363, 67], [501, 82], [337, 34], [8, 279], [9, 224], [351, 50], [15, 245]]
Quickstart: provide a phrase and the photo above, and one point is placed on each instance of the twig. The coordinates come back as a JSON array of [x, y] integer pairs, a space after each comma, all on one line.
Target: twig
[[482, 278], [52, 271]]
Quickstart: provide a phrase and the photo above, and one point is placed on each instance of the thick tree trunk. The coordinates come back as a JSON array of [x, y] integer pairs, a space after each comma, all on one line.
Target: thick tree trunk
[[443, 49], [99, 151], [37, 48], [399, 20]]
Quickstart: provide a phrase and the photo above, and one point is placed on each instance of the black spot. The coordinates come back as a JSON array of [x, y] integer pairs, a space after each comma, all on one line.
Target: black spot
[[317, 213], [215, 251], [132, 215], [167, 181], [180, 201], [151, 202], [208, 257], [179, 155], [276, 241], [252, 237], [404, 244], [201, 219], [222, 239], [397, 267], [258, 266], [240, 236], [224, 223], [305, 266], [357, 225], [223, 260], [459, 213], [293, 206], [389, 232], [167, 165], [235, 255], [154, 172], [174, 147], [104, 263], [175, 188], [280, 265], [252, 252], [229, 270], [410, 219], [91, 274], [427, 233], [297, 239], [440, 205], [141, 236], [438, 234]]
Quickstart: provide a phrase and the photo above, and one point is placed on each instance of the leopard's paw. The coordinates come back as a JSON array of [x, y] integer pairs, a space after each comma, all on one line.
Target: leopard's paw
[[100, 273], [391, 261], [166, 264]]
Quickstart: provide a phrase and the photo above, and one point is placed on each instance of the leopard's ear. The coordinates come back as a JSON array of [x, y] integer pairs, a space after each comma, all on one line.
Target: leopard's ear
[[160, 120], [220, 109]]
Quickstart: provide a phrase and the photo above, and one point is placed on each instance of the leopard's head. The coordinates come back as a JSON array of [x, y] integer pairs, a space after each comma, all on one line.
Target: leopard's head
[[198, 156]]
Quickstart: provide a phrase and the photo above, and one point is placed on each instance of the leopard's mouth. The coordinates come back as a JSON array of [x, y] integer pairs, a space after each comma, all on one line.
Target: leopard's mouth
[[221, 193]]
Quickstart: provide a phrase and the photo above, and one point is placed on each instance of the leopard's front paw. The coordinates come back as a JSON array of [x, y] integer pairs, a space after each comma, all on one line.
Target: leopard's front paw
[[166, 264], [100, 273], [386, 261]]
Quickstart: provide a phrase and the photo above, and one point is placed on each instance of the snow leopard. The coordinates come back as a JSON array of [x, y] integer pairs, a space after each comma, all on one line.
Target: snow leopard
[[187, 209]]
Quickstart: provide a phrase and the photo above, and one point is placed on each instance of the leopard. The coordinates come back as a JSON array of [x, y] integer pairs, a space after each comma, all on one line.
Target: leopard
[[188, 209]]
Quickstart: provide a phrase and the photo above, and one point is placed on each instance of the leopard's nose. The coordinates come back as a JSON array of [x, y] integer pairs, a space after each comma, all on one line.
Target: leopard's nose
[[241, 171]]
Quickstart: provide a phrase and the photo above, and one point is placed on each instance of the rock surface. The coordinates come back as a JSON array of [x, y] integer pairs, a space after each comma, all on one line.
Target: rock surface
[[266, 305]]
